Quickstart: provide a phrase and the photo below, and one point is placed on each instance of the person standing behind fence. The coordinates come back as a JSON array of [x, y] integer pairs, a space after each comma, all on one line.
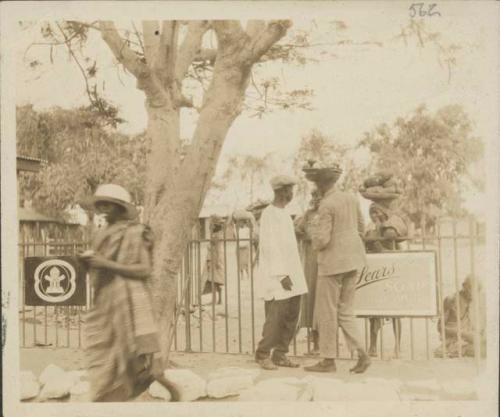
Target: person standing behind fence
[[213, 274], [310, 262], [243, 222], [462, 301], [389, 229], [121, 340], [281, 278], [336, 235]]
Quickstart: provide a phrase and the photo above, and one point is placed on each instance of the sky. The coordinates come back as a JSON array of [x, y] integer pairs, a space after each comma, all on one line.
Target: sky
[[355, 87]]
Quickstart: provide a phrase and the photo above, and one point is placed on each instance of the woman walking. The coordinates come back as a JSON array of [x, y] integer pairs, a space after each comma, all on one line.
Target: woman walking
[[122, 347]]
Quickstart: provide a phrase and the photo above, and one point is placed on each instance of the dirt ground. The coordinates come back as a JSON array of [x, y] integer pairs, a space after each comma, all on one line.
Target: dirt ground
[[404, 371]]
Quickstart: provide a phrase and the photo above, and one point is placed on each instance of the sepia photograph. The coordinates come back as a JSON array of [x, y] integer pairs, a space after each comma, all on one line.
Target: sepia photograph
[[272, 207]]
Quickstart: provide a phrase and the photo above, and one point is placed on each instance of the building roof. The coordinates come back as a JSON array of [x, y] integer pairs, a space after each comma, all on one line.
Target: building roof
[[30, 215], [29, 158], [28, 163]]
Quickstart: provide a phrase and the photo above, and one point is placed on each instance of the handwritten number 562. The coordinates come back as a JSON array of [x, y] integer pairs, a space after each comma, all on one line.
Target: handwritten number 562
[[423, 10]]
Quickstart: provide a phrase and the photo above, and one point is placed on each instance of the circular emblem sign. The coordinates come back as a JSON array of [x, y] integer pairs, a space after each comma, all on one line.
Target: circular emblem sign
[[55, 280]]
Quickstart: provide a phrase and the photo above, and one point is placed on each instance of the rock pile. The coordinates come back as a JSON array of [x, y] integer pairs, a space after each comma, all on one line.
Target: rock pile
[[56, 383], [53, 383]]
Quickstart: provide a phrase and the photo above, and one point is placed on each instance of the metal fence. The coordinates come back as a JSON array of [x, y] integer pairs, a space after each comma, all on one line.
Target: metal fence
[[50, 326], [234, 325]]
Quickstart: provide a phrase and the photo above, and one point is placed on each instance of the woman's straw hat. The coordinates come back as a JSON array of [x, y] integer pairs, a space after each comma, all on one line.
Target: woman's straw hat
[[118, 195]]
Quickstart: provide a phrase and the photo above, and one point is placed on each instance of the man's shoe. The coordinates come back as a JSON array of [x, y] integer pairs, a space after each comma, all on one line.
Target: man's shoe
[[326, 365], [285, 362], [362, 365], [267, 364]]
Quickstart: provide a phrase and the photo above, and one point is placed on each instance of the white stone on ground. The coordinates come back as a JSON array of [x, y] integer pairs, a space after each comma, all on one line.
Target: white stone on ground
[[57, 387], [50, 373], [190, 385], [459, 389], [330, 389], [80, 388], [157, 390], [29, 385], [77, 376], [277, 389], [421, 390], [230, 381]]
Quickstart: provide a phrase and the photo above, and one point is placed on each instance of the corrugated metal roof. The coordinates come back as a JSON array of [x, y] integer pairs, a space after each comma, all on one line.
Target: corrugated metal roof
[[30, 215], [30, 158]]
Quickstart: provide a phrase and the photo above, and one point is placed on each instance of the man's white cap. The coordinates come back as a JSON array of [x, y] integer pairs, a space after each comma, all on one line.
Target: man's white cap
[[280, 181]]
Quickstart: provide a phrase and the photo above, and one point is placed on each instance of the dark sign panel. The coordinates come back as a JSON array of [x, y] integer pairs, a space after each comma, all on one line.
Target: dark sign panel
[[54, 281]]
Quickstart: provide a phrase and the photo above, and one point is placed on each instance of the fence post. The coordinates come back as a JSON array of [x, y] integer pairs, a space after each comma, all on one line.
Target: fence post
[[475, 297], [187, 297], [441, 291], [457, 290]]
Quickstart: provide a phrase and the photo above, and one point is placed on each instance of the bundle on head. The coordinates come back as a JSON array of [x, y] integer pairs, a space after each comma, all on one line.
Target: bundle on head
[[381, 187], [317, 172]]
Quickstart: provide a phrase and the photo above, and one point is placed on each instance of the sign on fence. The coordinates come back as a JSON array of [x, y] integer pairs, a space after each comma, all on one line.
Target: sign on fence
[[54, 281], [398, 284]]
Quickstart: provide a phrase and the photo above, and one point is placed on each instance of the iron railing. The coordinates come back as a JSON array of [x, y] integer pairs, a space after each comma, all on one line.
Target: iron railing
[[234, 325]]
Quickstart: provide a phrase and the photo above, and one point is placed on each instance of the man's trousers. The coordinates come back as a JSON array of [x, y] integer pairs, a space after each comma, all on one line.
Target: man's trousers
[[334, 309], [279, 328]]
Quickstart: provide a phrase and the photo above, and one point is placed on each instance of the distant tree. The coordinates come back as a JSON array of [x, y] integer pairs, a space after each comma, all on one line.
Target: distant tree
[[432, 155], [248, 170], [80, 153], [316, 146]]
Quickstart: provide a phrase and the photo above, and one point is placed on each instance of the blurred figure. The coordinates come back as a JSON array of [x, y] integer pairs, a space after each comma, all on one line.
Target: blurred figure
[[256, 210], [281, 278], [310, 262], [388, 229], [467, 323], [122, 347], [213, 273], [243, 222]]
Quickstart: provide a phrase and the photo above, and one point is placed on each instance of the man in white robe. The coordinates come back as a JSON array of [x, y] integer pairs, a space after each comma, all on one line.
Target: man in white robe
[[281, 277]]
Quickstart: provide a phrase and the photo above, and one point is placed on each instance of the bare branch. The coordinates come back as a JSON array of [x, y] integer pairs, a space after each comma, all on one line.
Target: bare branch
[[190, 47], [128, 58], [274, 31], [167, 54], [151, 33], [67, 42]]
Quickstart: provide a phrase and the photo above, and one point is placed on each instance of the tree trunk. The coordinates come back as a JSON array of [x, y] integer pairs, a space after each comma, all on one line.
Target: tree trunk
[[177, 212], [162, 162]]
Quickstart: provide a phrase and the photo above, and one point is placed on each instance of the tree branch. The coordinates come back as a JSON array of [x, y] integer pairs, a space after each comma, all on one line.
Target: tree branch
[[167, 54], [274, 31], [151, 32], [129, 59], [228, 31], [190, 48], [254, 27]]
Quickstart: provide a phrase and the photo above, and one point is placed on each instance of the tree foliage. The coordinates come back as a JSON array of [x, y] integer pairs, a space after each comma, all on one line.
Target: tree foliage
[[79, 153], [317, 146], [432, 155]]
